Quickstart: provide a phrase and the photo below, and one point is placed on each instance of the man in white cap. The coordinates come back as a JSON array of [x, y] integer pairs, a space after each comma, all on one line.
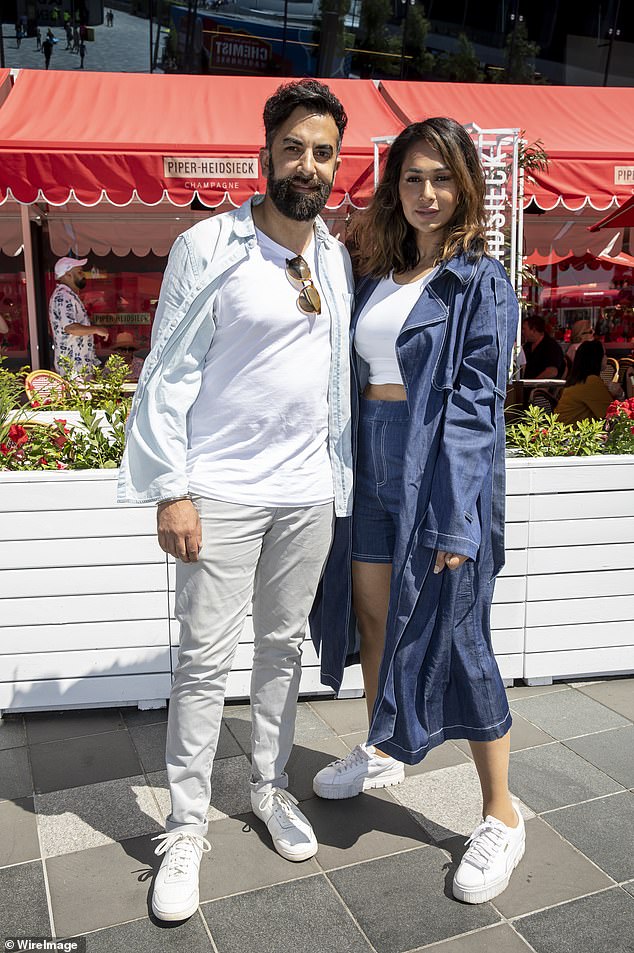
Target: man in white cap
[[73, 334]]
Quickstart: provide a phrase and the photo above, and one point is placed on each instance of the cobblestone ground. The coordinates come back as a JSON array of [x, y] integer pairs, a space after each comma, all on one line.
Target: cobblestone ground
[[123, 48]]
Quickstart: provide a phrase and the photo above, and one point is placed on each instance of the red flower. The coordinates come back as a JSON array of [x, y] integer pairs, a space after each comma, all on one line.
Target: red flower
[[43, 461], [18, 434], [48, 401], [61, 466], [35, 403], [4, 450], [631, 429], [61, 440]]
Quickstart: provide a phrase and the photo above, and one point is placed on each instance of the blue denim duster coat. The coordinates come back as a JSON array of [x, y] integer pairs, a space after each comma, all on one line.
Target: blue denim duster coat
[[438, 678]]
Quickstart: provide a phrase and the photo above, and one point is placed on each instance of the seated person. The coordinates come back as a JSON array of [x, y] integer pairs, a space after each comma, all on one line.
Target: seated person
[[125, 346], [585, 396], [581, 331], [544, 356]]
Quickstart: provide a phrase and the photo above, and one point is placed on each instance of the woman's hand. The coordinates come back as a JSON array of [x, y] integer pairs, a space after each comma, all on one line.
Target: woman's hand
[[450, 560]]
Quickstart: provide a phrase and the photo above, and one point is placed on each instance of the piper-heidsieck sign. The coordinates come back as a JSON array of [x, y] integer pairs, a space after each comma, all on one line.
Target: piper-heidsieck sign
[[185, 167]]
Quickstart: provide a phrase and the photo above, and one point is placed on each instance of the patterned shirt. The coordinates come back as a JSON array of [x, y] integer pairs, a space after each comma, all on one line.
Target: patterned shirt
[[66, 307]]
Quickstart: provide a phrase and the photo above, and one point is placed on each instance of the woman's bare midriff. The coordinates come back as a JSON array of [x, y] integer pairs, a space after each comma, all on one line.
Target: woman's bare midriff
[[385, 392]]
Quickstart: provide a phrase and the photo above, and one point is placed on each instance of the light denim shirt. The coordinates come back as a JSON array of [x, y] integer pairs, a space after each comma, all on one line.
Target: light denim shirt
[[154, 462]]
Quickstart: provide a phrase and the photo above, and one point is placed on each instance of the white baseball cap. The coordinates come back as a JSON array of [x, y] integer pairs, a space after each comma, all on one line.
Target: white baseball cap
[[64, 265]]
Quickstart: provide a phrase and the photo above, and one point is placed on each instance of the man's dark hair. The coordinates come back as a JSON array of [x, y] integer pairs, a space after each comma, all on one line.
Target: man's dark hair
[[536, 323], [307, 93]]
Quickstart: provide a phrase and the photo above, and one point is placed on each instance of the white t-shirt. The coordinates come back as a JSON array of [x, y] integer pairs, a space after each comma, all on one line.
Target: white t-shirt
[[380, 323], [258, 431]]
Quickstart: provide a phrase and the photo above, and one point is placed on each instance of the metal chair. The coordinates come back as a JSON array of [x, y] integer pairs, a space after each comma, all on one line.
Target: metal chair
[[45, 387], [540, 397], [610, 372]]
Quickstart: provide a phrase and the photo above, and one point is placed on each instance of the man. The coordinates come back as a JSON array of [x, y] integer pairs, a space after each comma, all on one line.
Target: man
[[73, 334], [240, 430], [82, 54], [47, 49], [544, 356]]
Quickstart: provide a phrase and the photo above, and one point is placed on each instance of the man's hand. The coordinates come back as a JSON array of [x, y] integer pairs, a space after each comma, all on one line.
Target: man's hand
[[450, 560], [100, 332], [179, 530]]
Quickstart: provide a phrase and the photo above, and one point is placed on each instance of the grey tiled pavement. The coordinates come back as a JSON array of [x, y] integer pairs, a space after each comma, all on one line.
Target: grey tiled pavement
[[123, 48], [83, 793]]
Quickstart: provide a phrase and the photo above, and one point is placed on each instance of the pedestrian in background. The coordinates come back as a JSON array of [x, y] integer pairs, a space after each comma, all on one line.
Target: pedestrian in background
[[18, 34], [75, 39], [82, 53], [47, 49], [38, 39], [69, 35]]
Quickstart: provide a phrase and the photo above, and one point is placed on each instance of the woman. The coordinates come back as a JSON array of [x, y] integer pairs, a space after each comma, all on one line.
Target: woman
[[580, 332], [585, 396], [433, 328]]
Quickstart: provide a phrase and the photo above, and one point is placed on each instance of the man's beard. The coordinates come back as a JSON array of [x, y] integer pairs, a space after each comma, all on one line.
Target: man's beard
[[80, 283], [300, 206]]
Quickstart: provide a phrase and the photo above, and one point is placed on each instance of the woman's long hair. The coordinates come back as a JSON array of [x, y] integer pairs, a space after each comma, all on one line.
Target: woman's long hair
[[382, 239], [587, 360]]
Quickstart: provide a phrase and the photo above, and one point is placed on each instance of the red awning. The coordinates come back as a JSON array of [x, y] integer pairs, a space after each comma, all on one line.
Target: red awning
[[107, 135], [583, 130], [622, 217], [5, 84]]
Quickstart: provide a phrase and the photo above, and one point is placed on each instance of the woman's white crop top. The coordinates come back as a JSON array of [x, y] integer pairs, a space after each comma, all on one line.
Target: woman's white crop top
[[380, 323]]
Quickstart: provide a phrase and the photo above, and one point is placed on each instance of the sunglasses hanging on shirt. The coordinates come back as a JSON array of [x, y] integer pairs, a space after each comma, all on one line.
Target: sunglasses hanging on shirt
[[298, 273]]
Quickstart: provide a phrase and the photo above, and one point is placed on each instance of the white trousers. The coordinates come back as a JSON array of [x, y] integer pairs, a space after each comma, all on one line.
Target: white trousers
[[274, 556]]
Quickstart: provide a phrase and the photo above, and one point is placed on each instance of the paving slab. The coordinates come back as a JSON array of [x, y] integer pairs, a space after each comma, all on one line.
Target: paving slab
[[18, 832], [567, 714], [445, 802], [23, 907], [308, 726], [614, 693], [242, 858], [603, 830], [553, 776], [304, 916], [499, 939], [403, 902], [147, 936], [60, 725], [96, 814], [529, 691], [12, 732], [370, 825], [76, 762], [15, 774], [603, 923], [611, 751], [102, 887], [344, 715], [134, 717]]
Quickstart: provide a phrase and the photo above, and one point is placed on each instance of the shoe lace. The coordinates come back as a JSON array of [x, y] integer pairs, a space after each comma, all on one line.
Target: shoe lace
[[357, 756], [281, 803], [484, 844], [180, 849]]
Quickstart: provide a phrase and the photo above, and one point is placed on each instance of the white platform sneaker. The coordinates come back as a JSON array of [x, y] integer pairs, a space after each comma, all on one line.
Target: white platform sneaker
[[493, 853], [291, 831], [360, 771], [175, 895]]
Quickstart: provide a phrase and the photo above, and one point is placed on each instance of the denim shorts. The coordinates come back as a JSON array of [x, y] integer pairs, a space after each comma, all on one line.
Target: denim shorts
[[382, 433]]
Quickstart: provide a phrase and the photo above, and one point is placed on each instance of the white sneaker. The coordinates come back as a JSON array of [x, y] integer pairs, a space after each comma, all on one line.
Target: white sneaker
[[175, 895], [494, 852], [292, 834], [360, 771]]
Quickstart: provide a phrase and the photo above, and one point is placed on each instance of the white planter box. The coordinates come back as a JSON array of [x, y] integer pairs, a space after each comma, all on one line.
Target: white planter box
[[86, 600], [86, 595], [579, 619]]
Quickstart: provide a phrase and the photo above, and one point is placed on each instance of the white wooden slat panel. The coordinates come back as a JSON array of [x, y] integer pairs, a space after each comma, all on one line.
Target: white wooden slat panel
[[571, 611], [113, 551], [106, 690], [52, 610], [563, 559], [61, 495], [507, 641], [570, 585], [561, 506], [146, 577], [515, 564], [580, 663], [582, 532], [97, 636], [511, 589], [517, 478], [106, 662], [580, 636], [72, 524], [507, 616], [516, 535], [510, 666], [579, 476], [517, 508]]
